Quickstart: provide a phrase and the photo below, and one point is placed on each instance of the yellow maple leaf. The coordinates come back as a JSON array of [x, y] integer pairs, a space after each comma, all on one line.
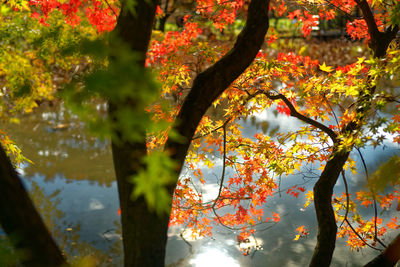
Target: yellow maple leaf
[[309, 198], [325, 68]]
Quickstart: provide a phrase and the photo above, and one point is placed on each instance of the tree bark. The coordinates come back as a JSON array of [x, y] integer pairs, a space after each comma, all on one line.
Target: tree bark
[[22, 223]]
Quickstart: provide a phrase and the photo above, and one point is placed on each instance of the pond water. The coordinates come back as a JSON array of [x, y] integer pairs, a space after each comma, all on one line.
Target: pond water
[[73, 183]]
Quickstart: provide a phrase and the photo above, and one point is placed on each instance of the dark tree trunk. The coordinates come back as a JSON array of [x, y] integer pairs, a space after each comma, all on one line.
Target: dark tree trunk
[[22, 223], [164, 18], [143, 232], [135, 29], [327, 228], [161, 23]]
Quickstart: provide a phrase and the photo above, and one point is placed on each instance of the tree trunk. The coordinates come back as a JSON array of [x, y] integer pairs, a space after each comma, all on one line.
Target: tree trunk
[[166, 15], [327, 228], [389, 257], [162, 21], [22, 223], [144, 233]]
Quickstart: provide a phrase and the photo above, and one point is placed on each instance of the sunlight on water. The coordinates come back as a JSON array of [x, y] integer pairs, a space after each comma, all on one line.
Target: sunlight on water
[[250, 244], [213, 258]]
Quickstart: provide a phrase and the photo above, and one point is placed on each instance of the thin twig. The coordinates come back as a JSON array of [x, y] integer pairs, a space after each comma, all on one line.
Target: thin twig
[[223, 165], [213, 130], [347, 210], [333, 112], [112, 9], [187, 242], [360, 237], [347, 198], [374, 199]]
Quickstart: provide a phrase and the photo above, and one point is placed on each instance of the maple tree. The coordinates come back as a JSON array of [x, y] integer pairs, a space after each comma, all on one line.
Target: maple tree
[[341, 107]]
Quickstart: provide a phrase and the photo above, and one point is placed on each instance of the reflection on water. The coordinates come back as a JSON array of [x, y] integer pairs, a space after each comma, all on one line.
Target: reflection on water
[[213, 257], [56, 142], [72, 214], [73, 184], [77, 236]]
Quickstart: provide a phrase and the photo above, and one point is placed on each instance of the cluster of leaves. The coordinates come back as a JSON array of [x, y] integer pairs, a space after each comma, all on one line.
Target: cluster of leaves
[[298, 86], [101, 15], [363, 232], [29, 54], [220, 12], [12, 150], [33, 63]]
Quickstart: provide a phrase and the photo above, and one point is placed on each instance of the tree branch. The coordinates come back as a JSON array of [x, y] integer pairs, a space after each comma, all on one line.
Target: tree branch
[[374, 199], [347, 198], [296, 114], [360, 237], [369, 19], [379, 41], [323, 189], [347, 212]]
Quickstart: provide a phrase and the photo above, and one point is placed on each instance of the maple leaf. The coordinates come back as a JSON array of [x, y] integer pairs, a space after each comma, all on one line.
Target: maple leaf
[[276, 217], [325, 68]]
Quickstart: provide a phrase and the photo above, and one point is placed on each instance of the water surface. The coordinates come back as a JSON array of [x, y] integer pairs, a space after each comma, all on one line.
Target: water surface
[[73, 182]]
